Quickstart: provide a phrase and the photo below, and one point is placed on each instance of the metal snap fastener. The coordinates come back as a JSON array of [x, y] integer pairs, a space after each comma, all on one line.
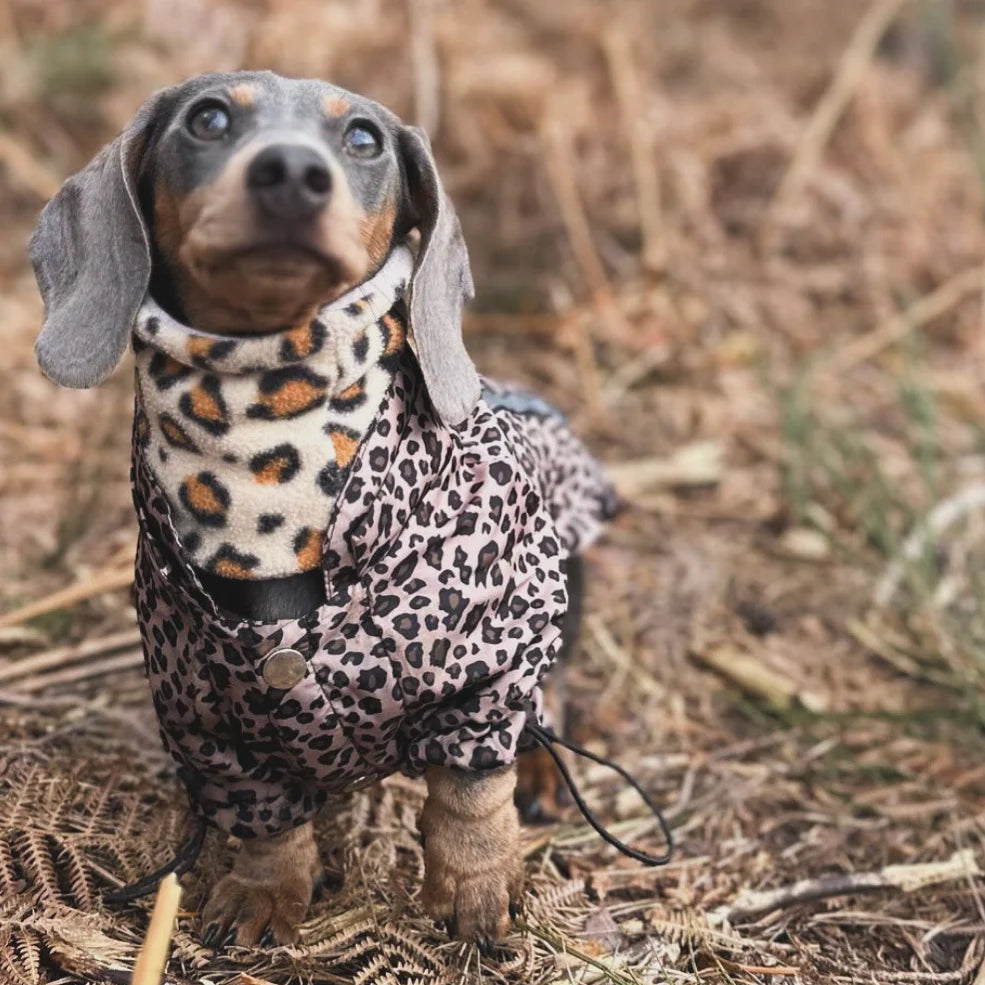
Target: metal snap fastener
[[284, 668]]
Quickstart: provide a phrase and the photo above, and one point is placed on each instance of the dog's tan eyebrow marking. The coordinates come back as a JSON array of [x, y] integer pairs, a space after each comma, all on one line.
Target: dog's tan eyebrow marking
[[243, 95], [335, 105]]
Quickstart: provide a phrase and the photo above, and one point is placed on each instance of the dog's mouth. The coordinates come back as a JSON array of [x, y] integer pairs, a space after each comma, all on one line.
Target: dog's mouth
[[285, 263], [279, 253]]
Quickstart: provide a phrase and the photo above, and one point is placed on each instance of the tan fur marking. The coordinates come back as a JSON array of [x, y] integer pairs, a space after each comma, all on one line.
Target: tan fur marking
[[376, 231], [345, 447], [174, 434], [230, 569], [301, 339], [170, 431], [171, 367], [167, 221], [201, 496], [243, 95], [309, 556], [395, 328], [291, 398], [335, 105], [203, 406], [197, 346], [270, 474], [352, 391]]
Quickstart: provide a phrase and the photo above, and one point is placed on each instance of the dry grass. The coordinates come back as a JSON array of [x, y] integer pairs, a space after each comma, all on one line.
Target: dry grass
[[782, 355]]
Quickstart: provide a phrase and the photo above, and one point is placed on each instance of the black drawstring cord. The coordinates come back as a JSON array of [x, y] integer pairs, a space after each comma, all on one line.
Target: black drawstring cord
[[545, 737], [184, 858]]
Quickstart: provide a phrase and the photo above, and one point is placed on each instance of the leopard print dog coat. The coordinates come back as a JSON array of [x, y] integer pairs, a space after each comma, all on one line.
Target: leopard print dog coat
[[443, 559]]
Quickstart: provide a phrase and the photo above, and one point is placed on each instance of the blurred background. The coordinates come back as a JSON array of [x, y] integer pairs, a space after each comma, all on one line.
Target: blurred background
[[740, 243]]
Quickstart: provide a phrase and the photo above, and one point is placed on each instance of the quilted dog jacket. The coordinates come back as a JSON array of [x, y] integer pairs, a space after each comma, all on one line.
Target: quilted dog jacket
[[443, 561]]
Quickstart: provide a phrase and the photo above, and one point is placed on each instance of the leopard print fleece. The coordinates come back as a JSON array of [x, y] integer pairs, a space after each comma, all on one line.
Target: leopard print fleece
[[251, 438], [443, 560]]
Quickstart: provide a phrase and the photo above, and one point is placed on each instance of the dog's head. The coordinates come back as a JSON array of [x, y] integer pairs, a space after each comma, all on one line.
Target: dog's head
[[244, 202]]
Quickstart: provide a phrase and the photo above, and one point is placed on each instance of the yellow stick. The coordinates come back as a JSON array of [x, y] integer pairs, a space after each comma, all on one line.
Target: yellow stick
[[154, 952]]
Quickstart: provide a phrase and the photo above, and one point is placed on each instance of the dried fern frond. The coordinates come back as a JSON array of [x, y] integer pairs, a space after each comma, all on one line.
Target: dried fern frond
[[546, 900], [86, 943], [20, 955], [71, 837], [38, 934], [696, 930]]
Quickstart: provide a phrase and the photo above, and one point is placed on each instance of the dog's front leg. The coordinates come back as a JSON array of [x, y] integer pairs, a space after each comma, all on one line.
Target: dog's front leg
[[473, 869], [267, 893]]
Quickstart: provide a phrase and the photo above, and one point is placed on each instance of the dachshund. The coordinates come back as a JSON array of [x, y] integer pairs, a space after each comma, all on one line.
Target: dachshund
[[355, 554]]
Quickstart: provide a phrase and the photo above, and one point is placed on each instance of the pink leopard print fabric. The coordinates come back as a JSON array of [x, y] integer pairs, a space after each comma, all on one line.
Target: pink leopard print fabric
[[443, 564]]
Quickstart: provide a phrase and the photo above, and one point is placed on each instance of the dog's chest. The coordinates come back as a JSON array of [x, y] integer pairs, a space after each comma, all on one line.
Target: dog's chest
[[251, 440]]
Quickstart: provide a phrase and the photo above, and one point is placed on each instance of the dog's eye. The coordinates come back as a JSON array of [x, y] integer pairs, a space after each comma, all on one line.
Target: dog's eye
[[209, 122], [361, 141]]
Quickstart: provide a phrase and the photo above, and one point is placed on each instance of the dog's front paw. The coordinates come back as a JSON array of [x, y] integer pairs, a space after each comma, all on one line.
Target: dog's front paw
[[265, 899], [475, 903], [245, 912], [473, 867]]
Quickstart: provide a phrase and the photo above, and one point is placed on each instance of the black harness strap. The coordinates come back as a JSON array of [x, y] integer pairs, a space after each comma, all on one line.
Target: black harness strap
[[545, 739], [184, 858]]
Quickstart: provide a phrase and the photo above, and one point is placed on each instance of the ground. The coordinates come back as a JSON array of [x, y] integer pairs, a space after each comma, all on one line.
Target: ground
[[741, 245]]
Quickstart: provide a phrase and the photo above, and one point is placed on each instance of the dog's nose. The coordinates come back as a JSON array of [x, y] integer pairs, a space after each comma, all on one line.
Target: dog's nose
[[289, 181]]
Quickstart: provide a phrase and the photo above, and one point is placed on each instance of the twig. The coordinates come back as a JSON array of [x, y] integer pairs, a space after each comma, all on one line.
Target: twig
[[922, 311], [625, 82], [697, 464], [579, 337], [608, 645], [558, 160], [105, 580], [980, 975], [633, 371], [71, 703], [755, 678], [885, 650], [563, 946], [71, 675], [766, 970], [427, 97], [906, 878], [68, 654], [154, 951], [835, 100]]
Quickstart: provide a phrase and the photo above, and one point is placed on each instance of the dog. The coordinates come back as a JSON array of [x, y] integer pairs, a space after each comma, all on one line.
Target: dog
[[354, 553]]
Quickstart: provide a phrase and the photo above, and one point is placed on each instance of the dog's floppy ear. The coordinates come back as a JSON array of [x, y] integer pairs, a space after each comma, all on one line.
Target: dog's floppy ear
[[440, 287], [91, 257]]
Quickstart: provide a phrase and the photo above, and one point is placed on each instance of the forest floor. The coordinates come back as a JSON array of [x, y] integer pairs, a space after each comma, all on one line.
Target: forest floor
[[741, 245]]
